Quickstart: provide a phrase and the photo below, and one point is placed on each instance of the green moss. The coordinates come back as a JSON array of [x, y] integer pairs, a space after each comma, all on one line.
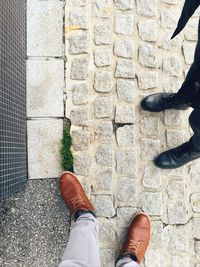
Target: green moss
[[67, 158]]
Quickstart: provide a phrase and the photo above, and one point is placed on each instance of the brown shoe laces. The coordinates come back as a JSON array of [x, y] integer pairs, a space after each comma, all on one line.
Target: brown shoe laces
[[134, 246], [77, 202]]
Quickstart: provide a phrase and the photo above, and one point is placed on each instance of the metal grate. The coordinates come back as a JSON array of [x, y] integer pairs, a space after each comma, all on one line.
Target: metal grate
[[13, 148]]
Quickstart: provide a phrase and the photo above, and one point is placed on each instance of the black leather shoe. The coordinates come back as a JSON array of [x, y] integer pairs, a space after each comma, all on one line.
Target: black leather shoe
[[162, 101], [177, 157]]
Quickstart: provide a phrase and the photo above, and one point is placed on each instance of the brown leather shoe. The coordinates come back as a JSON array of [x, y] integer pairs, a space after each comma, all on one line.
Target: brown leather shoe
[[73, 194], [137, 239]]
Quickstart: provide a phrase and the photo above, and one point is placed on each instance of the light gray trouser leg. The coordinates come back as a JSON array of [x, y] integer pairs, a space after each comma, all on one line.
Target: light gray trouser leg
[[83, 245], [127, 262]]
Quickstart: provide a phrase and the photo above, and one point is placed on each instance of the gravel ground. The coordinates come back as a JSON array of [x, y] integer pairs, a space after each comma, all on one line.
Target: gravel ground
[[34, 226]]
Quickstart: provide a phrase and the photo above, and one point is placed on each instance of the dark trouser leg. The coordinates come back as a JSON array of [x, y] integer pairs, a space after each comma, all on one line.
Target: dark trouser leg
[[190, 89], [194, 121]]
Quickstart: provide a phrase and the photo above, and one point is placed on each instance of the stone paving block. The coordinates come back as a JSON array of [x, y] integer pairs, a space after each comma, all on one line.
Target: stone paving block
[[103, 33], [82, 164], [125, 216], [176, 189], [178, 212], [174, 138], [124, 24], [164, 39], [149, 148], [156, 255], [80, 68], [148, 80], [45, 87], [45, 28], [103, 107], [150, 126], [80, 138], [103, 81], [148, 55], [148, 30], [44, 160], [79, 116], [79, 18], [125, 135], [152, 177], [173, 118], [188, 52], [103, 180], [102, 8], [125, 69], [172, 65], [124, 114], [125, 162], [175, 234], [78, 42], [80, 93], [172, 86], [103, 57], [104, 205], [152, 203], [125, 90], [104, 154], [169, 18], [127, 190], [124, 48], [191, 33], [103, 130], [146, 9]]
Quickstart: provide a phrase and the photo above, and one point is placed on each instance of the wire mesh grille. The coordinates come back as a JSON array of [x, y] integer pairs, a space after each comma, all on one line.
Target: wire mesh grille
[[13, 150]]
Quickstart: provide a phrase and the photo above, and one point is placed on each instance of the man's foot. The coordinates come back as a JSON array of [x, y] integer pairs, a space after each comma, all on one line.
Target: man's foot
[[137, 239], [74, 195], [177, 157], [162, 101]]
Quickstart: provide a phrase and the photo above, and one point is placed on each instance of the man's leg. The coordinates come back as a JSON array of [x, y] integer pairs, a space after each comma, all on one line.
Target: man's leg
[[136, 243], [194, 121], [82, 248], [190, 89], [127, 262]]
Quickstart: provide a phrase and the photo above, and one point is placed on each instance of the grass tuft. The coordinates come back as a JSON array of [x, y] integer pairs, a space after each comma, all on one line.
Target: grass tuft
[[67, 158]]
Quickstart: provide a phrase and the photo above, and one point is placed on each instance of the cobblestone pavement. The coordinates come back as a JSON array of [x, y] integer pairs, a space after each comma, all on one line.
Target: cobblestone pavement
[[115, 53]]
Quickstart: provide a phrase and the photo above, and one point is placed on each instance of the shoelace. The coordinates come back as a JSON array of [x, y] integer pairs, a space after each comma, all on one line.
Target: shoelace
[[182, 151], [76, 202], [134, 246]]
